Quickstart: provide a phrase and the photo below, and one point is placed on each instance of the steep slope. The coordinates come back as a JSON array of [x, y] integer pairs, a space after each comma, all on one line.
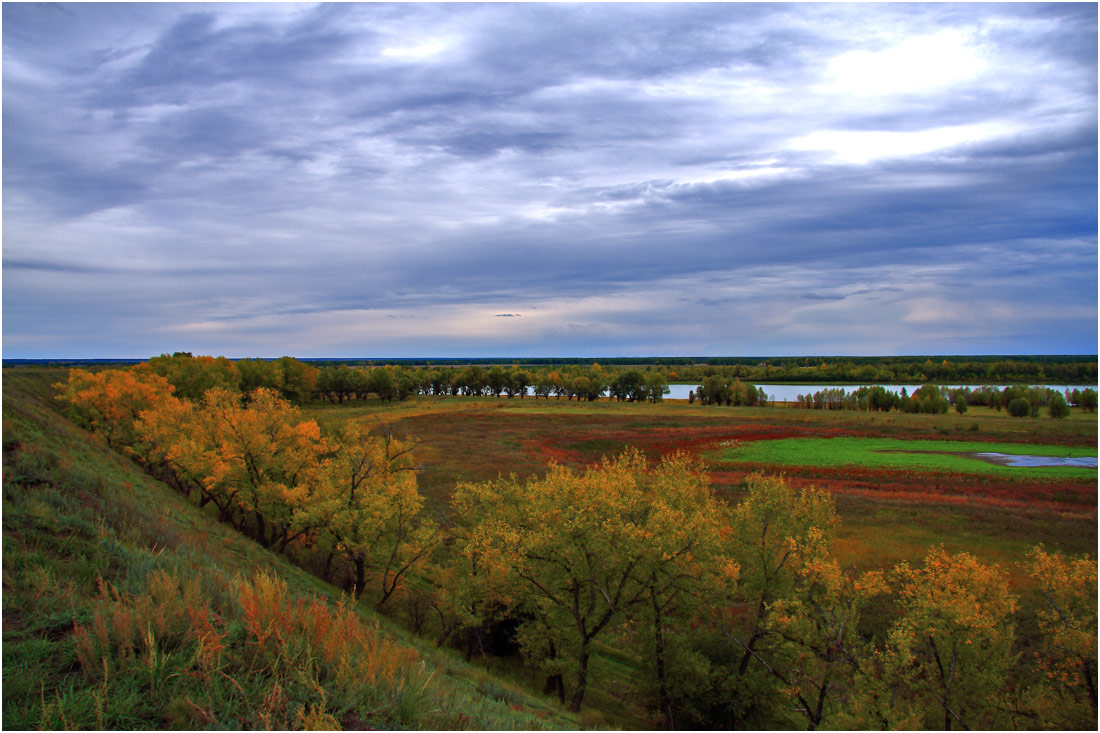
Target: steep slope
[[126, 607]]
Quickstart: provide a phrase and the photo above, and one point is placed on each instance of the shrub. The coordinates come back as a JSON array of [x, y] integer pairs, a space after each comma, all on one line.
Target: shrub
[[1058, 407], [1019, 407]]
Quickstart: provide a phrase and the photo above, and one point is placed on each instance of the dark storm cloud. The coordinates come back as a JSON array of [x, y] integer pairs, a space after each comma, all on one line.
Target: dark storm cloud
[[398, 178]]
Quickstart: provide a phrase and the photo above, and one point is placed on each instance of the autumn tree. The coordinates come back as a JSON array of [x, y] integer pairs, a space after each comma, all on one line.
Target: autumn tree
[[581, 553], [258, 462], [777, 532], [299, 380], [1088, 400], [368, 508], [498, 380], [816, 651], [110, 401], [381, 381], [1064, 695], [656, 386], [1057, 406], [628, 385], [949, 652], [693, 575], [257, 373]]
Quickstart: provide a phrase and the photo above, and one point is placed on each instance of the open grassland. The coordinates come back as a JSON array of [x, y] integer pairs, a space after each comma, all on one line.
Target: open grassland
[[126, 607], [916, 455], [893, 506]]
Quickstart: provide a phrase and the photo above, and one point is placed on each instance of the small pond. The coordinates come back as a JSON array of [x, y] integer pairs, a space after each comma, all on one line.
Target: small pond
[[1024, 461]]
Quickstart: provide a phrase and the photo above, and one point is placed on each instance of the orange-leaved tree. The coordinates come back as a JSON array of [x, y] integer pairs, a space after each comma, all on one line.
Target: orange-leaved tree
[[949, 652], [110, 401], [1064, 695]]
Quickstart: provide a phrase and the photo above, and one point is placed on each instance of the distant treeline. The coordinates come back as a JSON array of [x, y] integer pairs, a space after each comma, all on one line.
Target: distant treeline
[[1018, 369], [1019, 400], [301, 381]]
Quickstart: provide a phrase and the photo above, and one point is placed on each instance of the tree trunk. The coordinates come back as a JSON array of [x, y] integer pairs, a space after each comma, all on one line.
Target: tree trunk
[[555, 683], [582, 679], [662, 681], [360, 576]]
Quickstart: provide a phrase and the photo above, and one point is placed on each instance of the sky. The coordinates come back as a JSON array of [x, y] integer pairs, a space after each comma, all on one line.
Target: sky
[[478, 180]]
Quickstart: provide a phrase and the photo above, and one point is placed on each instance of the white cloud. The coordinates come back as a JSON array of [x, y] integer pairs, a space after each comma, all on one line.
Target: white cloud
[[867, 146], [920, 65], [417, 51]]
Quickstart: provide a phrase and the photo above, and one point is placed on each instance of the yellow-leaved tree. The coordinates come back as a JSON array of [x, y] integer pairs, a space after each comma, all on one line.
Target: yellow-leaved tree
[[581, 554], [777, 530], [369, 510], [949, 652], [259, 463], [816, 650], [1064, 696]]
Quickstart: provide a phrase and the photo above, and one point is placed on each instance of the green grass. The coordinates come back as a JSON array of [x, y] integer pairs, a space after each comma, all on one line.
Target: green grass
[[941, 455]]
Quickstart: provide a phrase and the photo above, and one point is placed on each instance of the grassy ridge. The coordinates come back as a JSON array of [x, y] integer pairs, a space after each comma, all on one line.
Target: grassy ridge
[[928, 455], [125, 607]]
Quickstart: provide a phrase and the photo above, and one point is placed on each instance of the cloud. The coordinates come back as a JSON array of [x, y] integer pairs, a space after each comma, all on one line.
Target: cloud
[[667, 175]]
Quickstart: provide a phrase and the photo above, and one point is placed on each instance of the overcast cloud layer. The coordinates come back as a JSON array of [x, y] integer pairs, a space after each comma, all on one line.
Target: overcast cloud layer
[[487, 180]]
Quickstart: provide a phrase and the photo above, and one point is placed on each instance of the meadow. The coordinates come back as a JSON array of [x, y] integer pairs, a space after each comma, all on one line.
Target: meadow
[[894, 506]]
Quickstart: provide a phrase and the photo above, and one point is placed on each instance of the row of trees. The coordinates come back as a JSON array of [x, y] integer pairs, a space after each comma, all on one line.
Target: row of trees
[[741, 615], [894, 369], [344, 499], [1033, 369], [300, 382], [1017, 400]]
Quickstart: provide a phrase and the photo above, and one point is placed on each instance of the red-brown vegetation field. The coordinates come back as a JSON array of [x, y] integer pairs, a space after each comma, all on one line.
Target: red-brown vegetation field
[[887, 515]]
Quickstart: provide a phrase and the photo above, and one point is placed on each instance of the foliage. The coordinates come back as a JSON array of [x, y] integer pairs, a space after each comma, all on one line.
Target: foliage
[[109, 402], [1019, 407], [367, 507], [949, 652], [582, 553], [1057, 406], [742, 617], [125, 608], [1065, 693], [193, 376]]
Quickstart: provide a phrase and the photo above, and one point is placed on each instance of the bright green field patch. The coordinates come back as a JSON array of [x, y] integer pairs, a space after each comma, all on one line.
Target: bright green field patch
[[877, 453]]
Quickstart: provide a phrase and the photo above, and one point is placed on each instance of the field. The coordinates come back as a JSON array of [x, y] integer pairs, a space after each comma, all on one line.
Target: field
[[893, 506], [902, 484]]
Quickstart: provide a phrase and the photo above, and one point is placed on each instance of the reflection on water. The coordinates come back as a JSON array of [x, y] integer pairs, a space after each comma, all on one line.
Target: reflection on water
[[1022, 461]]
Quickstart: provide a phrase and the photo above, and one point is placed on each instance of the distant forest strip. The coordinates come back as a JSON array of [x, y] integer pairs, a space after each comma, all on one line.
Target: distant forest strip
[[974, 369]]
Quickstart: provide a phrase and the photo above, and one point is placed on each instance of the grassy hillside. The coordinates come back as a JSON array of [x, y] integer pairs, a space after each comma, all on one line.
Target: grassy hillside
[[125, 607]]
